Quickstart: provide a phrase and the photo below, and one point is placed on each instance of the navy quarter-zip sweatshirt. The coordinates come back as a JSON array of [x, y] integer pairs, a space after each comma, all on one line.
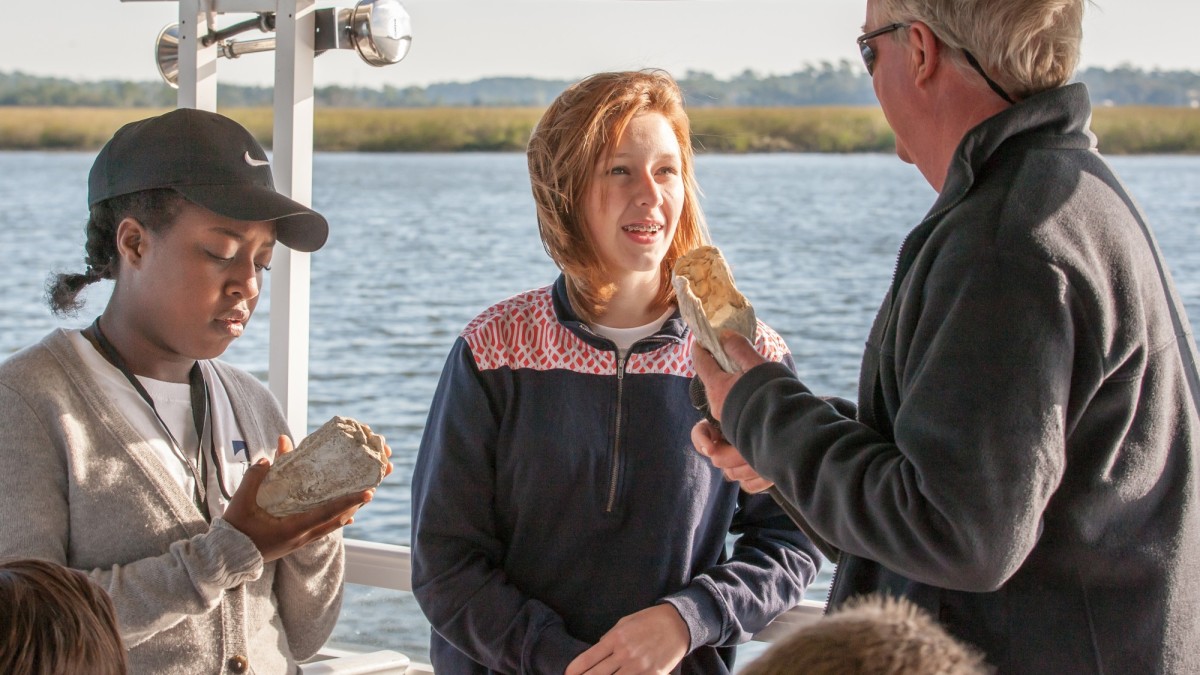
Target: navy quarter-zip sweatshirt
[[557, 490]]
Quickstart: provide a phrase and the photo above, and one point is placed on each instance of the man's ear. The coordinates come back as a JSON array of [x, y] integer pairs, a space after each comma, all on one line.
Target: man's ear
[[132, 239], [925, 50]]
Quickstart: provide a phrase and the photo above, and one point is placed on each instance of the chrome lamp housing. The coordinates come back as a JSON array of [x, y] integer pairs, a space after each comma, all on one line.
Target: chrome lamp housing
[[379, 30]]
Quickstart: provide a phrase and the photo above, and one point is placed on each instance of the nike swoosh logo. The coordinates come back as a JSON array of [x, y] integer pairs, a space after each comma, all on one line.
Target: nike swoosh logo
[[254, 162]]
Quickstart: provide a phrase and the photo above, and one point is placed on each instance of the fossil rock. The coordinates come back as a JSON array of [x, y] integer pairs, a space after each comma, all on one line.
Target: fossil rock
[[341, 457], [709, 301]]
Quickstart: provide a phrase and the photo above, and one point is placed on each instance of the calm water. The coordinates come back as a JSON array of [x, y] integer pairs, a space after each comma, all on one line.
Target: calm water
[[421, 243]]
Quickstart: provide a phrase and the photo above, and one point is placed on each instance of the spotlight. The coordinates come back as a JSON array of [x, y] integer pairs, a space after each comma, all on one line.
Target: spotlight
[[379, 30]]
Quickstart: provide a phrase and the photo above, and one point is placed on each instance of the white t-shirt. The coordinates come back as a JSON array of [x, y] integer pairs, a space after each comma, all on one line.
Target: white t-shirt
[[624, 338], [174, 403]]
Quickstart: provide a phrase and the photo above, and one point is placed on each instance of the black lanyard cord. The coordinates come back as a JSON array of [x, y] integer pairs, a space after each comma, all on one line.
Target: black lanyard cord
[[199, 395]]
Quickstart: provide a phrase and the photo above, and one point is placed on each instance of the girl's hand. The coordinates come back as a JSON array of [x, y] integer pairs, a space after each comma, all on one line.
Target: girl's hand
[[274, 536]]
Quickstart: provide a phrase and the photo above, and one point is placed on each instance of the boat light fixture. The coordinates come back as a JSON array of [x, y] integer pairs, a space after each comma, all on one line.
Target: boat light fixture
[[379, 30]]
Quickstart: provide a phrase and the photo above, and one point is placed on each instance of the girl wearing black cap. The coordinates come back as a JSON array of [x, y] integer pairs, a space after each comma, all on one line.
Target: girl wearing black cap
[[128, 452]]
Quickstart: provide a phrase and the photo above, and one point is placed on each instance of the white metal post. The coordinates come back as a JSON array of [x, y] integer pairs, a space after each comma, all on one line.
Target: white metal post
[[292, 167], [292, 163], [197, 64]]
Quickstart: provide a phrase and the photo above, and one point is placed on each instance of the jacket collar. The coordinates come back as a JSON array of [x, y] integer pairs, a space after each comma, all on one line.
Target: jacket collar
[[674, 330], [1060, 117]]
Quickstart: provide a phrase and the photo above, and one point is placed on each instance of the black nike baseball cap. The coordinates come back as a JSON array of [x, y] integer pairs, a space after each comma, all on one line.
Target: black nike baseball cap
[[212, 161]]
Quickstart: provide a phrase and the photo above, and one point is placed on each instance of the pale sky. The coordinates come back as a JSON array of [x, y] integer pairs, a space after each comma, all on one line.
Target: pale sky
[[463, 40]]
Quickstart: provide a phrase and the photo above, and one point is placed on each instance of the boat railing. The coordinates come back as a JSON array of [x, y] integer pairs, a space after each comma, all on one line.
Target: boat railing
[[389, 566]]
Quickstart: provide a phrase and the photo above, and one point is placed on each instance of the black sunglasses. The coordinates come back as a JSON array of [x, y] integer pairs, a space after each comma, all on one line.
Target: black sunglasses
[[868, 52], [868, 57]]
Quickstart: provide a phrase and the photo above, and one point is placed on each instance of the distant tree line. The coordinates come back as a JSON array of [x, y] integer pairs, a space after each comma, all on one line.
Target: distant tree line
[[824, 84]]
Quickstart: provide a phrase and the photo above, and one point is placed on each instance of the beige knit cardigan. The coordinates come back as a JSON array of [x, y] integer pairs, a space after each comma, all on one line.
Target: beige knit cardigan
[[81, 487]]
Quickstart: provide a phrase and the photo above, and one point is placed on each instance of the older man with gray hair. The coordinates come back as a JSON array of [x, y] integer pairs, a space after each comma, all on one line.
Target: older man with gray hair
[[1022, 461]]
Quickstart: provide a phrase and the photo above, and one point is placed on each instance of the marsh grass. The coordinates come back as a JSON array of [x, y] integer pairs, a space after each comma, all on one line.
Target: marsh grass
[[1124, 130], [30, 128], [790, 130], [1147, 130]]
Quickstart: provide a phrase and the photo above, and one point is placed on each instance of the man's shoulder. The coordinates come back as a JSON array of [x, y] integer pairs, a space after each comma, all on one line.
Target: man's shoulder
[[1053, 193], [1034, 201]]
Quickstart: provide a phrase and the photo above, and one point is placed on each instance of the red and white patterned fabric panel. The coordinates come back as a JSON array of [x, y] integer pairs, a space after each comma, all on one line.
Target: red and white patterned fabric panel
[[769, 343], [522, 332], [679, 361]]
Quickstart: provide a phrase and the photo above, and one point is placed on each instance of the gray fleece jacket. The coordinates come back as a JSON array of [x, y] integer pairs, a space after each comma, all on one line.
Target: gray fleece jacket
[[79, 486], [1023, 462]]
